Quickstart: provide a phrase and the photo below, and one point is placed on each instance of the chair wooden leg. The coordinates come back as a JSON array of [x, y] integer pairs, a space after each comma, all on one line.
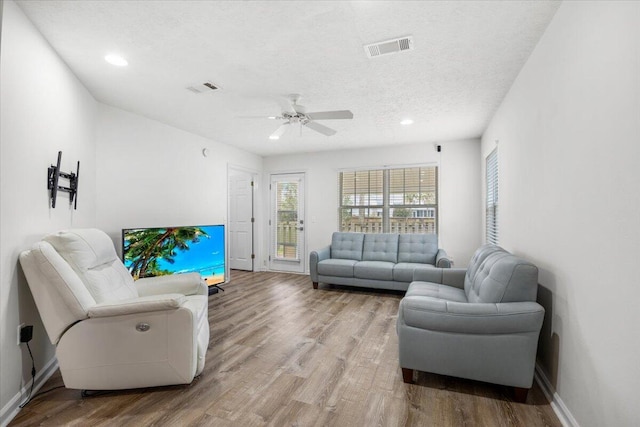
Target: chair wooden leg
[[520, 394], [407, 375], [315, 285]]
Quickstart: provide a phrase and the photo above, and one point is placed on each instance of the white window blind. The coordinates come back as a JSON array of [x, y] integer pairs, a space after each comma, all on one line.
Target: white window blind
[[402, 200], [287, 231], [492, 198]]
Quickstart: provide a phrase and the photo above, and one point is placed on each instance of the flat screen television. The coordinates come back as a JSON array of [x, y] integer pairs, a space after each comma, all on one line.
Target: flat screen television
[[148, 252]]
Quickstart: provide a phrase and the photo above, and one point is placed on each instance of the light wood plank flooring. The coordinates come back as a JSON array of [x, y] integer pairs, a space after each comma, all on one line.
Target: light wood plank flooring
[[283, 354]]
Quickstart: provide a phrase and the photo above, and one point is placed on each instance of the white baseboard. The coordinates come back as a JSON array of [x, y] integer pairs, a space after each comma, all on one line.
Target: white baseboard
[[12, 408], [558, 406]]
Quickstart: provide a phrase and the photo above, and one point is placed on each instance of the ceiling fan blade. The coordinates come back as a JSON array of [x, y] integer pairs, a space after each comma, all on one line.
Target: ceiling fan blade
[[320, 128], [286, 106], [259, 117], [330, 115], [279, 132]]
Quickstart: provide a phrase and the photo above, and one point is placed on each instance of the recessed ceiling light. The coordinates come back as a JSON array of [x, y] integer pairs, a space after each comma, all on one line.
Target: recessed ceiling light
[[274, 137], [272, 117], [406, 122], [116, 60]]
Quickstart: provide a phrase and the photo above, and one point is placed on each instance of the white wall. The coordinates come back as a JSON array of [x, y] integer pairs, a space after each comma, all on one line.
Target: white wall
[[569, 153], [459, 228], [152, 175], [43, 109]]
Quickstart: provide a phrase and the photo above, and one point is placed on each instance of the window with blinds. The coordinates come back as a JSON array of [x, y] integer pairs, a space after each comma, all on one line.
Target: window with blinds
[[492, 198], [403, 200]]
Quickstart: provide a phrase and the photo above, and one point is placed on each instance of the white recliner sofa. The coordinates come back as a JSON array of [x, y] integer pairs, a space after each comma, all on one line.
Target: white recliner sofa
[[111, 333]]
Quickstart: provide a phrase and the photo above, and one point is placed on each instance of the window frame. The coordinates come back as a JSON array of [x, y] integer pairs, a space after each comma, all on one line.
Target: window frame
[[387, 206]]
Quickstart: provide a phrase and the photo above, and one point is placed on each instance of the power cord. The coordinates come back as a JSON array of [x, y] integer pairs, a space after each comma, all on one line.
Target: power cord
[[47, 391], [33, 378]]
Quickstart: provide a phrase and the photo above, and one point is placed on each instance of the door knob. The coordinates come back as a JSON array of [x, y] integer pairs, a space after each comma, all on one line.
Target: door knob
[[300, 228]]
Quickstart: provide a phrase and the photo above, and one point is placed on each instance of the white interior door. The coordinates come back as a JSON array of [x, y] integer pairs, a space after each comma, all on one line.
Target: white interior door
[[287, 224], [241, 220]]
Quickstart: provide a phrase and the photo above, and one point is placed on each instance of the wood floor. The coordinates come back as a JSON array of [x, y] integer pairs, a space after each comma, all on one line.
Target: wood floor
[[283, 354]]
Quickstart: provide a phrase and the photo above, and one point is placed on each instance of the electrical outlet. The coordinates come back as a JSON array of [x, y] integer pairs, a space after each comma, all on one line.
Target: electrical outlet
[[20, 326]]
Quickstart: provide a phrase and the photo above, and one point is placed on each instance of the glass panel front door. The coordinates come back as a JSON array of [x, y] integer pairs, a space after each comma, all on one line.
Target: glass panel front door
[[287, 223]]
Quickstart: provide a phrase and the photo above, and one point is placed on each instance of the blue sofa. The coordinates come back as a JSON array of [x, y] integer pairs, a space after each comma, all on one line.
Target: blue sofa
[[481, 322], [382, 260]]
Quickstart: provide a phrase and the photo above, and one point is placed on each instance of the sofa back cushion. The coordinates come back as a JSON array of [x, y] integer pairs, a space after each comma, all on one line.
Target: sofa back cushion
[[418, 248], [347, 246], [502, 277], [91, 254], [380, 247], [476, 262]]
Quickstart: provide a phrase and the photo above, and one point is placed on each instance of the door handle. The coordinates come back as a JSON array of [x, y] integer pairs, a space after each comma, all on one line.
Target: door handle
[[300, 228]]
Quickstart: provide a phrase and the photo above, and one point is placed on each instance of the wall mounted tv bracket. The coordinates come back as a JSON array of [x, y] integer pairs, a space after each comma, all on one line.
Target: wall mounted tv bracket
[[53, 178]]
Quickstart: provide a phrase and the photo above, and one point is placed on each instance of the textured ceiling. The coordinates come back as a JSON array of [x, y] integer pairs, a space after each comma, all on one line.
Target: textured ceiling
[[466, 56]]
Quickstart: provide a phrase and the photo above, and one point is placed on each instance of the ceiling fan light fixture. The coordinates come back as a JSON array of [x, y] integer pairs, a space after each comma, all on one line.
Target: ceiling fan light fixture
[[116, 60], [295, 114]]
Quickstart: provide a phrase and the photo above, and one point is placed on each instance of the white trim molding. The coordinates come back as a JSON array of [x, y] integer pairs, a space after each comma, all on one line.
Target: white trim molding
[[558, 406], [12, 407]]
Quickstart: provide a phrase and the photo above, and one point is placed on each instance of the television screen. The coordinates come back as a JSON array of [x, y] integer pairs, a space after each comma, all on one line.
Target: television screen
[[149, 252]]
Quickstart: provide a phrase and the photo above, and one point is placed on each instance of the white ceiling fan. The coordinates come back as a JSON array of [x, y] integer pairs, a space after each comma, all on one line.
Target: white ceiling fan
[[293, 113]]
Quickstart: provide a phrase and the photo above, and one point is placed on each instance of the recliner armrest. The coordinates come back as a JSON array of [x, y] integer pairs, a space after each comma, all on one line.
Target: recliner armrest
[[443, 260], [185, 284], [471, 318], [137, 305]]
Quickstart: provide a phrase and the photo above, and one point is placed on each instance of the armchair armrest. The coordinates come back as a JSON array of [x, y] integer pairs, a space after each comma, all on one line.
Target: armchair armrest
[[445, 276], [314, 258], [185, 284], [321, 254], [471, 318], [443, 260], [137, 305]]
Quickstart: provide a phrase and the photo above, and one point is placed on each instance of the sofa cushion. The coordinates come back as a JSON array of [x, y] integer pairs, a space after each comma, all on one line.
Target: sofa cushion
[[377, 270], [347, 246], [436, 290], [419, 248], [336, 267], [380, 247], [476, 262], [503, 277], [403, 271]]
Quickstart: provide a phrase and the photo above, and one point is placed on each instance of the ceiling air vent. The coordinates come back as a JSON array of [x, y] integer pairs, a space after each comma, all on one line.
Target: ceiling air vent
[[203, 88], [389, 46]]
